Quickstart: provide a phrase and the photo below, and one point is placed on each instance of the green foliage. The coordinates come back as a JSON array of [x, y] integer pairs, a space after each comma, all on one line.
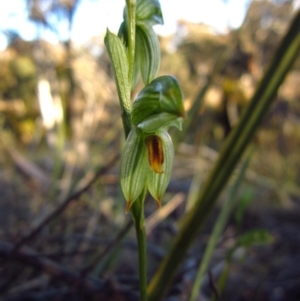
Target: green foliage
[[18, 78], [7, 79], [254, 237], [117, 54], [242, 205], [23, 68]]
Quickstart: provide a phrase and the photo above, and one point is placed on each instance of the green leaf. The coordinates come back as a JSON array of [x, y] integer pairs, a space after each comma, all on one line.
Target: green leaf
[[123, 34], [134, 166], [147, 52], [255, 237], [158, 182], [149, 11], [162, 95], [117, 53], [160, 122]]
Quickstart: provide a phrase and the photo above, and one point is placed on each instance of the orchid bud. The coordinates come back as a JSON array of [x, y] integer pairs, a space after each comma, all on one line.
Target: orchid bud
[[162, 95], [149, 12]]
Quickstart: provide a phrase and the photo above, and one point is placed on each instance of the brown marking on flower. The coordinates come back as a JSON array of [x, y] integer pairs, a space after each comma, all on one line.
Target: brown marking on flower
[[155, 153]]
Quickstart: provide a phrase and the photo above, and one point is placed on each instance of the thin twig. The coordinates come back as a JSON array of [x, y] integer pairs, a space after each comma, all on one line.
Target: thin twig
[[29, 257], [50, 294], [83, 186], [213, 286], [95, 288]]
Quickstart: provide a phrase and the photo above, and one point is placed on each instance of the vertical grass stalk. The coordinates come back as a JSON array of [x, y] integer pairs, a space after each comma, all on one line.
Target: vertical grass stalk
[[231, 152], [217, 230]]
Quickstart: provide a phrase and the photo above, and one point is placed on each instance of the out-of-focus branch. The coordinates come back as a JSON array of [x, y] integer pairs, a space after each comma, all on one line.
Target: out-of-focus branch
[[82, 187], [95, 288], [29, 257]]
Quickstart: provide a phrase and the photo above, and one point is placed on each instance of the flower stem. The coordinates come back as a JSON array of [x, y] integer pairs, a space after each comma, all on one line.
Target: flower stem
[[137, 208], [131, 9], [137, 211]]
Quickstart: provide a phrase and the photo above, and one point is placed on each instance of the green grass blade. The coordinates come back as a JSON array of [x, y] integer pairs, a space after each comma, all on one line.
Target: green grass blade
[[218, 228], [231, 152]]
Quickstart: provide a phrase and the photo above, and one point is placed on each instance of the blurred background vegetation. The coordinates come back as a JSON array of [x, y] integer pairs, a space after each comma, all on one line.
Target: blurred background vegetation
[[60, 136]]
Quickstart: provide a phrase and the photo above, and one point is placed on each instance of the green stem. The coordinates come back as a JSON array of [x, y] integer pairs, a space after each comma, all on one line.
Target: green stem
[[131, 9], [137, 211], [137, 208]]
